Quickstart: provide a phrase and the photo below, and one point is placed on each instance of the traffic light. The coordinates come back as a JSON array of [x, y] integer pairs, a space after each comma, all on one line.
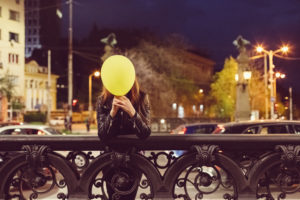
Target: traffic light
[[74, 102]]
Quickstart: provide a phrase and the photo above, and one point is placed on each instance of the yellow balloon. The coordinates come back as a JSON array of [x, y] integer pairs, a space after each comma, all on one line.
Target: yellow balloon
[[118, 75]]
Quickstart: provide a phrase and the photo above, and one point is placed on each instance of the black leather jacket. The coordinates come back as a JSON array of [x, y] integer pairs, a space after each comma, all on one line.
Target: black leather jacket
[[122, 124]]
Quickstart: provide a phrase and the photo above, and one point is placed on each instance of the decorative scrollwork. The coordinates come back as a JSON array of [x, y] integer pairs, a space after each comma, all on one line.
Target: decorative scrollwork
[[36, 176], [157, 159], [200, 181], [290, 154], [205, 154], [203, 177], [120, 179], [285, 175], [80, 159], [36, 155]]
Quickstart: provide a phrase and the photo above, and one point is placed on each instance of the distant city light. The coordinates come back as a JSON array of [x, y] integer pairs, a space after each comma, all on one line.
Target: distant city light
[[236, 77], [201, 108], [174, 106], [96, 73], [247, 75], [194, 108]]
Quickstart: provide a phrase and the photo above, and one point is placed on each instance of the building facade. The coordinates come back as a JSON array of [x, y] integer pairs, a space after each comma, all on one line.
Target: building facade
[[12, 45], [42, 19], [32, 22], [36, 87]]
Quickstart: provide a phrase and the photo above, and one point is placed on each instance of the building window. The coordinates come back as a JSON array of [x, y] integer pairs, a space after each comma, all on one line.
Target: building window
[[29, 39], [13, 36], [17, 1], [13, 58], [0, 34], [14, 15], [13, 79], [0, 12]]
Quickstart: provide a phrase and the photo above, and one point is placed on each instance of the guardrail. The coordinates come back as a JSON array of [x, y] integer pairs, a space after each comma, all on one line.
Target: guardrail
[[212, 167]]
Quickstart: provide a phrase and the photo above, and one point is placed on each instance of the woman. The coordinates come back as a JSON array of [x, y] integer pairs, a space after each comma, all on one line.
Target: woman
[[122, 115]]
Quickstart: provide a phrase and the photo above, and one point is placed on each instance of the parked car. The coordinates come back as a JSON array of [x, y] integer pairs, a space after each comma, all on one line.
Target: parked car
[[259, 127], [28, 130], [57, 121], [10, 123], [195, 128]]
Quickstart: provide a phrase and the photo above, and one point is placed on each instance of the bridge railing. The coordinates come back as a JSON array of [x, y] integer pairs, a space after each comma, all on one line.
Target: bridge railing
[[211, 167]]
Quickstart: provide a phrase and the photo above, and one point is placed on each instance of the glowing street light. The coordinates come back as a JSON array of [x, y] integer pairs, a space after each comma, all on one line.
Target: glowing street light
[[96, 74], [259, 49], [283, 49]]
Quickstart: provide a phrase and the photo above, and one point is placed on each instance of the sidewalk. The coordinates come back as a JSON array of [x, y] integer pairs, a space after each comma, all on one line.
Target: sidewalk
[[81, 129]]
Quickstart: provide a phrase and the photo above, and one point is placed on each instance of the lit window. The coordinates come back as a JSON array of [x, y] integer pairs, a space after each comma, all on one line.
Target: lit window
[[14, 15]]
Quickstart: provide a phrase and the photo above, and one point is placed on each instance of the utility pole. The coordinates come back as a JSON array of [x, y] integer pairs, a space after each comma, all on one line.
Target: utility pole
[[266, 88], [70, 60], [271, 79], [291, 104], [49, 88]]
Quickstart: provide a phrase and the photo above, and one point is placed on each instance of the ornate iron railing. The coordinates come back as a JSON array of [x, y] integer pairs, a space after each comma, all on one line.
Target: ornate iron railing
[[212, 167]]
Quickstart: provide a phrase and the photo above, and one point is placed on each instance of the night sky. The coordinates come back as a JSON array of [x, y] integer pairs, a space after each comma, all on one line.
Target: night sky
[[210, 25]]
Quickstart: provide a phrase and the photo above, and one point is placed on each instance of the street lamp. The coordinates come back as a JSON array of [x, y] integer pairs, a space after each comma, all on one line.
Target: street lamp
[[278, 75], [271, 53], [96, 74]]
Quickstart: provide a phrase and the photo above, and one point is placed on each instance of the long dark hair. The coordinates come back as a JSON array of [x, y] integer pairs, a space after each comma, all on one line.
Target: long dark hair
[[133, 94]]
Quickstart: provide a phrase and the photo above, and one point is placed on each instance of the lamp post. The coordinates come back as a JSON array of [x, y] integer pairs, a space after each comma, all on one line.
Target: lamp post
[[271, 54], [242, 107], [96, 74], [278, 75]]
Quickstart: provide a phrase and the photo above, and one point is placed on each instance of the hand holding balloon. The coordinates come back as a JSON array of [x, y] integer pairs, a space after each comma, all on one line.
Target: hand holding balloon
[[124, 103], [114, 108]]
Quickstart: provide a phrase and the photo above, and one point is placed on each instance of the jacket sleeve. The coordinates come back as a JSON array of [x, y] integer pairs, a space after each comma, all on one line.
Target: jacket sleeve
[[141, 120], [104, 121]]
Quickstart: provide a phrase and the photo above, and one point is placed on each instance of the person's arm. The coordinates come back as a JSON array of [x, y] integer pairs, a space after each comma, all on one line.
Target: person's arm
[[104, 121], [141, 121]]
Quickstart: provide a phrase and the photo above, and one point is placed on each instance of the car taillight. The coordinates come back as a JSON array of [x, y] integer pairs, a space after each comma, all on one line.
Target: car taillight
[[183, 131], [219, 129]]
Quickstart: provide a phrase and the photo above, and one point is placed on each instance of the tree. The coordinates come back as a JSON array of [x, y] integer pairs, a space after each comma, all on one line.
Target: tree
[[7, 89], [223, 91], [257, 89], [167, 75]]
